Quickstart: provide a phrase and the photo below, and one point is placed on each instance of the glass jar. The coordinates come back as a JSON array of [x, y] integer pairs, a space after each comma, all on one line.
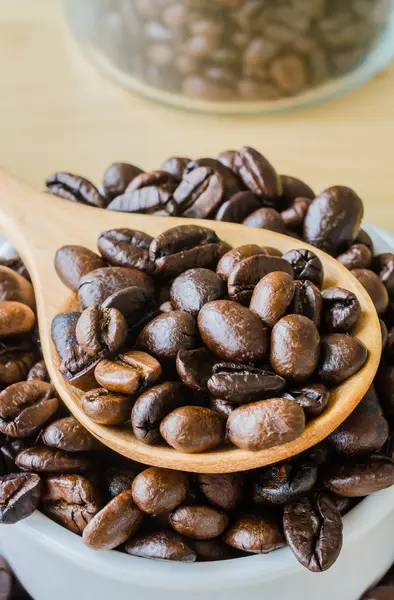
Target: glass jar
[[236, 55]]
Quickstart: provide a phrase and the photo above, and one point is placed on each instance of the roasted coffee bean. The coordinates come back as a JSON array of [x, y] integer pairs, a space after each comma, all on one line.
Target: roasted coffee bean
[[63, 331], [234, 256], [135, 303], [195, 367], [118, 480], [146, 200], [306, 265], [192, 429], [257, 173], [175, 165], [212, 550], [223, 407], [222, 490], [194, 288], [19, 496], [200, 192], [158, 490], [158, 178], [168, 333], [281, 484], [257, 534], [241, 384], [265, 424], [15, 288], [38, 371], [126, 248], [117, 177], [231, 183], [341, 356], [162, 545], [48, 460], [107, 408], [69, 435], [74, 188], [313, 530], [339, 503], [114, 524], [295, 346], [219, 326], [383, 265], [341, 310], [333, 219], [385, 335], [184, 247], [15, 319], [247, 273], [293, 188], [293, 216], [70, 500], [358, 256], [96, 286], [129, 373], [365, 431], [238, 207], [153, 406], [265, 218], [77, 367], [384, 383], [307, 301], [272, 297], [101, 331], [374, 287], [364, 238], [17, 265], [359, 478], [16, 359], [313, 398], [25, 407], [73, 262], [199, 522], [10, 448]]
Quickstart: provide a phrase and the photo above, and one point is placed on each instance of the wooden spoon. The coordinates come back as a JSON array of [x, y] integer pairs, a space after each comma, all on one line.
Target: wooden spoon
[[38, 224]]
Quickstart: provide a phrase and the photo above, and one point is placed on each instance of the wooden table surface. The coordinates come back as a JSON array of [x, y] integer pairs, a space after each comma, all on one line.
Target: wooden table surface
[[58, 113]]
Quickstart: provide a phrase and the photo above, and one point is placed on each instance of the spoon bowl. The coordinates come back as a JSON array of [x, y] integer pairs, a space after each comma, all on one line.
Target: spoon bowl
[[38, 224]]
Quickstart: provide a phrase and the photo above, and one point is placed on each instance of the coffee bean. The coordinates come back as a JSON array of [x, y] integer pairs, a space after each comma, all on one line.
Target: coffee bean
[[38, 371], [146, 200], [313, 530], [19, 496], [293, 188], [194, 367], [117, 177], [307, 301], [114, 524], [77, 367], [15, 288], [118, 480], [175, 165], [168, 333], [63, 331], [360, 478], [341, 356], [313, 398], [70, 500], [17, 265], [293, 216], [333, 219], [107, 408], [265, 218], [101, 331], [25, 407], [247, 273], [265, 424], [135, 303], [194, 288], [358, 256], [15, 319], [241, 384], [73, 262], [129, 373], [284, 483], [374, 287], [212, 550], [238, 207], [16, 359], [295, 346], [69, 435], [218, 323], [383, 265], [257, 173], [231, 183], [223, 490], [42, 459], [365, 431], [158, 178], [162, 545], [74, 188], [199, 522], [184, 247], [223, 407], [257, 534], [126, 248], [306, 265], [272, 296], [200, 192], [364, 238], [153, 406], [96, 286], [192, 429], [384, 383], [341, 310], [229, 260], [158, 490]]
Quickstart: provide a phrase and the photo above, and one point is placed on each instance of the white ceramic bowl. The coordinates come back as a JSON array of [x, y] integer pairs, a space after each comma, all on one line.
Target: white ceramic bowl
[[53, 564]]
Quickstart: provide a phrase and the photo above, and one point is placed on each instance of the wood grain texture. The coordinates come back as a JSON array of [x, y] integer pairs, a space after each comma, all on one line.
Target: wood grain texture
[[38, 224]]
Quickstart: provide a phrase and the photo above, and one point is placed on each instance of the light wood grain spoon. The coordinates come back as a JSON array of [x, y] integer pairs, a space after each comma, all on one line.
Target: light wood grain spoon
[[38, 224]]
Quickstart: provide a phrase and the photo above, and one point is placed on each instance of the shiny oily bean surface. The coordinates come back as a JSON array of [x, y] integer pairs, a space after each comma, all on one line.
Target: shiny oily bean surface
[[25, 407], [360, 478], [241, 384], [69, 435], [157, 490], [374, 287], [97, 285], [383, 265], [284, 483], [101, 331], [19, 496], [341, 356], [107, 408], [222, 490], [42, 459], [15, 288], [255, 533], [313, 398], [257, 173], [238, 207], [195, 367], [234, 256], [126, 248], [162, 545], [128, 373], [272, 297], [307, 301], [168, 333], [358, 256], [265, 218], [117, 177], [38, 371], [265, 424], [306, 265], [192, 429], [63, 331], [73, 262], [341, 310], [194, 288], [232, 331], [199, 522], [15, 318]]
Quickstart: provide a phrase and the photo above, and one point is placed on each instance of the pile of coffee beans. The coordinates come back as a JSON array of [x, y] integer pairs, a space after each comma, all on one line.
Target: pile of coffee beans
[[228, 50]]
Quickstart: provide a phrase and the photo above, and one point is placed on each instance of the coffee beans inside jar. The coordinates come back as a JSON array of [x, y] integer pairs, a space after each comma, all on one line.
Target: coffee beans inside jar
[[226, 50]]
